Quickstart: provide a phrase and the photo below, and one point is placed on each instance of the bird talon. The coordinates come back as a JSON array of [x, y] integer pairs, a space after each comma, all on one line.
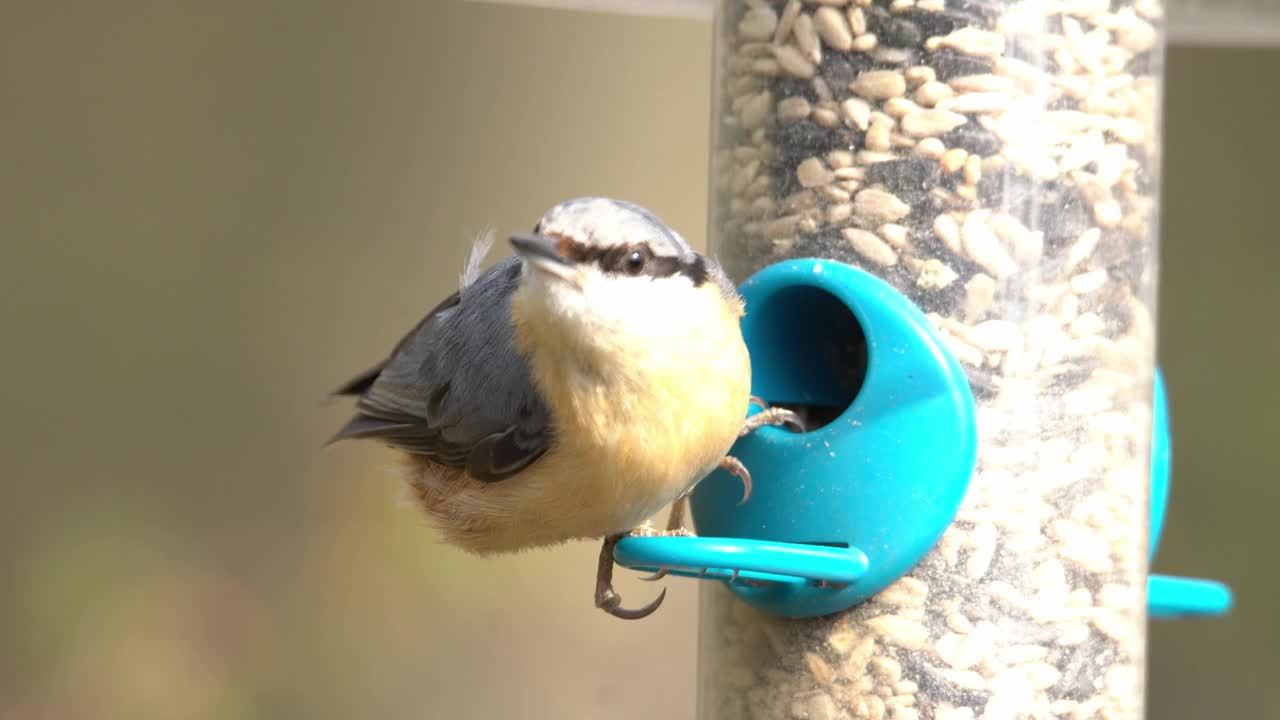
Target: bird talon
[[612, 602], [758, 402], [734, 465], [656, 576]]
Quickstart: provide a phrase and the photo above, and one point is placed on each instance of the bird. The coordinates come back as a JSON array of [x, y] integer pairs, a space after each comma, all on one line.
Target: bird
[[571, 391]]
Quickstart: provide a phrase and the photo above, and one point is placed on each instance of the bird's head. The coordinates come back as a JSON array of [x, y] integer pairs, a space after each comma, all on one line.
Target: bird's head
[[605, 267]]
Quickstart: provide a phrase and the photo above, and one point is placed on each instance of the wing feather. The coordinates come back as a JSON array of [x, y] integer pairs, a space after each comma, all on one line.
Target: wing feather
[[455, 389]]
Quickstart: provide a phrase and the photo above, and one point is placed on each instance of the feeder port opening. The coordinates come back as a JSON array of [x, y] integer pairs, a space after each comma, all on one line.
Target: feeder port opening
[[808, 353]]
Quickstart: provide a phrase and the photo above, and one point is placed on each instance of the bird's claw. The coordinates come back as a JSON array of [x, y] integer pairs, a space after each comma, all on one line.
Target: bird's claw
[[610, 602], [734, 466]]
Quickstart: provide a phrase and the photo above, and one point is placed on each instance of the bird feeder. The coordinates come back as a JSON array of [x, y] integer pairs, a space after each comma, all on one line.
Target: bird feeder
[[942, 216]]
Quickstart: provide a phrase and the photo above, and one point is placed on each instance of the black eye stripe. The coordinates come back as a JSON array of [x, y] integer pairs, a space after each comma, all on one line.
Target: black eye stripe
[[696, 270], [613, 260]]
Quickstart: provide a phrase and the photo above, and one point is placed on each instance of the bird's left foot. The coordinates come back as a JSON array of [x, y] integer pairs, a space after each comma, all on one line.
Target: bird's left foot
[[675, 528], [607, 599]]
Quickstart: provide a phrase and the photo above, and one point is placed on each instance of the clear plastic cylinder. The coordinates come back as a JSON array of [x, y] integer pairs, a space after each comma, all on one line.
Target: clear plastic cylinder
[[998, 163]]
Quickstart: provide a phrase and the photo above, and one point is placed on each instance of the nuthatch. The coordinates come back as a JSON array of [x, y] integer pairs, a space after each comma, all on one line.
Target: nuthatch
[[571, 391]]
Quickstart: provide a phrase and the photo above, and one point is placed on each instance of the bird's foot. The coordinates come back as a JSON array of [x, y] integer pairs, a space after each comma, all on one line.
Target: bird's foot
[[675, 528], [767, 416], [607, 599], [772, 416]]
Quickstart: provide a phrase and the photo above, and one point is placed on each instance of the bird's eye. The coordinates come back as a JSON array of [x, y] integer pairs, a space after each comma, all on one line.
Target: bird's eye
[[635, 262]]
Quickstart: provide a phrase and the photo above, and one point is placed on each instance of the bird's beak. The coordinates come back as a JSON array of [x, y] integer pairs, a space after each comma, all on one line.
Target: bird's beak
[[540, 253]]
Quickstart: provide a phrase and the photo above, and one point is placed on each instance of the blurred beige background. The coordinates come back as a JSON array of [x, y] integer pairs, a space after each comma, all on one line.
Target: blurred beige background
[[211, 213]]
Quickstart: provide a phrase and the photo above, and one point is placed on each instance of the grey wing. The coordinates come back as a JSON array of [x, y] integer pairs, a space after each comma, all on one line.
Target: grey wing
[[455, 389]]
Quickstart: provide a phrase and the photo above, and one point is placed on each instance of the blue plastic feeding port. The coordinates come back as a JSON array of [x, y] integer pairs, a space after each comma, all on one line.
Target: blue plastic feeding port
[[786, 563], [1173, 597], [842, 511], [1161, 461], [1176, 597], [891, 444]]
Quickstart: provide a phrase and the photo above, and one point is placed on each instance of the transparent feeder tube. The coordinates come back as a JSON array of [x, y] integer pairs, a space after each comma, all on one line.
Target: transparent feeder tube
[[998, 163]]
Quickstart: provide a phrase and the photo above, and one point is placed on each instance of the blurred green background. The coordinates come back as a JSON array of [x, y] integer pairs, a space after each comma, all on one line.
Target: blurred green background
[[210, 213]]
